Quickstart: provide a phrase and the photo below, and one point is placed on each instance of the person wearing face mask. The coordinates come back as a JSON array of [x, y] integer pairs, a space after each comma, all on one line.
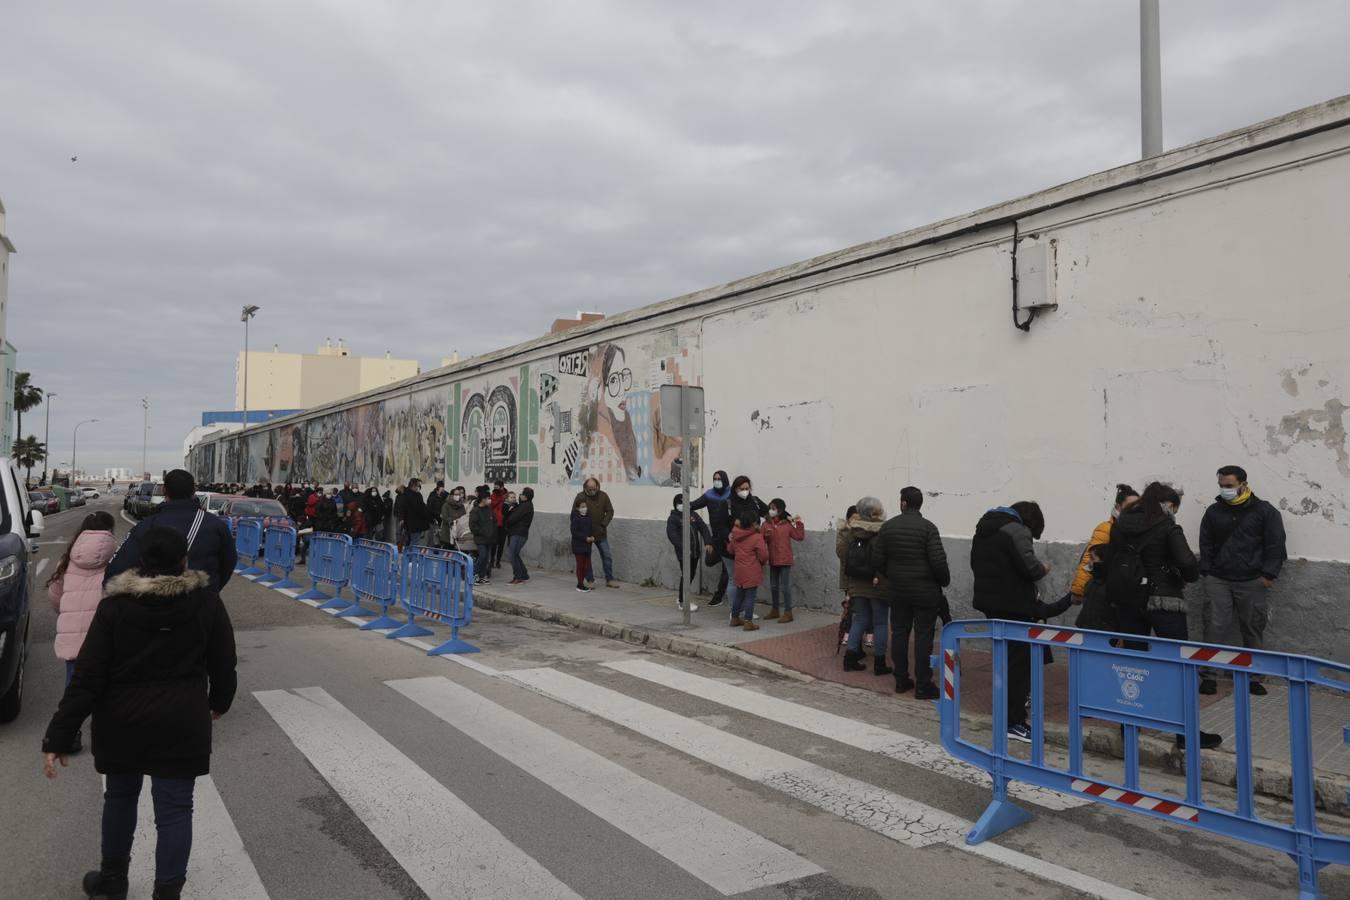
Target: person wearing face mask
[[1149, 531], [780, 530], [601, 512], [1125, 497], [519, 517], [500, 495], [583, 538], [717, 501], [1242, 550], [483, 524], [699, 535]]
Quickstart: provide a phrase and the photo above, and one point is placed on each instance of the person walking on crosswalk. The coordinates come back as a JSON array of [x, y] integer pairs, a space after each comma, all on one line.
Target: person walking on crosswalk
[[157, 667]]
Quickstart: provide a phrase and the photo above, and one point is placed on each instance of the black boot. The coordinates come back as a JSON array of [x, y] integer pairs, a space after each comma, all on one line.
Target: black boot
[[879, 666], [168, 890], [853, 661], [109, 881]]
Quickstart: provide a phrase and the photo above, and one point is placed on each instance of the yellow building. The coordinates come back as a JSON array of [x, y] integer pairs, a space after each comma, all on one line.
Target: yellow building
[[279, 380]]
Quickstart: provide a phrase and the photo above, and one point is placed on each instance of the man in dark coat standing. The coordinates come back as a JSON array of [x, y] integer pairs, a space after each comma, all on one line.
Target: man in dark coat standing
[[416, 517], [908, 552], [210, 544]]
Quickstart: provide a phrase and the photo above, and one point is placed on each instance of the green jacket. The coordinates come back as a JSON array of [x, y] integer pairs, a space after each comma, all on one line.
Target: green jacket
[[859, 587]]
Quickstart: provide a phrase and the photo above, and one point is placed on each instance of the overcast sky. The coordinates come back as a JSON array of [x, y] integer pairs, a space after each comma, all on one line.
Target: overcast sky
[[423, 177]]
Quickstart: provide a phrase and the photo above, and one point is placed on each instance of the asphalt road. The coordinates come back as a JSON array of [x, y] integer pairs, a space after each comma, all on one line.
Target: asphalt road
[[559, 765]]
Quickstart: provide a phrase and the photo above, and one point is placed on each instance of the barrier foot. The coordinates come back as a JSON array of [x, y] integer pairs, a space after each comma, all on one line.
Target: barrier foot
[[356, 609], [336, 603], [251, 572], [454, 645], [1000, 816], [381, 622], [285, 584], [267, 578], [410, 629], [314, 594]]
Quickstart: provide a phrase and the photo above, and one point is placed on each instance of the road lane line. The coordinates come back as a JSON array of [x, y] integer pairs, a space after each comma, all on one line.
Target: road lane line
[[717, 851], [41, 567], [873, 738], [128, 519], [219, 867], [905, 821], [443, 845]]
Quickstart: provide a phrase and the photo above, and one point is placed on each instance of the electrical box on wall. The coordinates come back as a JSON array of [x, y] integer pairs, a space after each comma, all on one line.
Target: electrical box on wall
[[1036, 268]]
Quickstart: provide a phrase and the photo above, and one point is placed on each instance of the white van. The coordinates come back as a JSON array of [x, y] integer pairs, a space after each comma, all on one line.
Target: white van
[[19, 530]]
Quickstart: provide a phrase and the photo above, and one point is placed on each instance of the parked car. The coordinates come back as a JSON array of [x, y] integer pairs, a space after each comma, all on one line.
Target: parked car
[[272, 512], [20, 525], [211, 501], [147, 497], [75, 497], [45, 501], [90, 493]]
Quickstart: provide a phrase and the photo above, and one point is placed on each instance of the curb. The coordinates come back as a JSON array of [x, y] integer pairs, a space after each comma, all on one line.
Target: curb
[[654, 640]]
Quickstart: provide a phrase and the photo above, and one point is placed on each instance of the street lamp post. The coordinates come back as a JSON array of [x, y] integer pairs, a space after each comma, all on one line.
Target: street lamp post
[[47, 438], [1150, 79], [75, 438], [249, 312], [145, 436]]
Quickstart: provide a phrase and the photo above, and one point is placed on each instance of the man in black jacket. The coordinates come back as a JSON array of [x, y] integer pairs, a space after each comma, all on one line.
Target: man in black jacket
[[210, 544], [908, 552], [699, 534], [518, 522], [1241, 553], [1003, 560], [416, 518], [436, 501]]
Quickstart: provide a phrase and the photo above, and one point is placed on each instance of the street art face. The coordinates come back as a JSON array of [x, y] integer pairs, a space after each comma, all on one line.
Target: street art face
[[592, 412]]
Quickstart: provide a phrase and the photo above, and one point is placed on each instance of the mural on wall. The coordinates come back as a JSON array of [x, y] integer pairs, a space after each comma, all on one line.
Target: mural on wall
[[558, 420]]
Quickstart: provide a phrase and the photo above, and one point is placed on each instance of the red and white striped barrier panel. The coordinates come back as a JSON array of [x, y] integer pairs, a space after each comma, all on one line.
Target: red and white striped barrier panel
[[1130, 798], [949, 674], [1055, 634], [1214, 654]]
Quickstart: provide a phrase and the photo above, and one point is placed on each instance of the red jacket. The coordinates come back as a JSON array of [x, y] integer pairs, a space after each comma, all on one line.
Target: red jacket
[[312, 505], [779, 535], [357, 518], [751, 553], [498, 498]]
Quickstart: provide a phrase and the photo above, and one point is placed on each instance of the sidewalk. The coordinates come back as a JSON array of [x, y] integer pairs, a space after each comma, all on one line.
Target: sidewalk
[[808, 648]]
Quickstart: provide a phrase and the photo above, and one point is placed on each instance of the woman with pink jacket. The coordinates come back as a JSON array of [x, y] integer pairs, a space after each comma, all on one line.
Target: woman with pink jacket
[[76, 587]]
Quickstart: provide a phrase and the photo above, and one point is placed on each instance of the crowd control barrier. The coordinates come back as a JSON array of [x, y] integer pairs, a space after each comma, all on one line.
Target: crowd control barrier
[[374, 580], [437, 584], [1155, 687], [330, 558], [248, 535], [278, 552]]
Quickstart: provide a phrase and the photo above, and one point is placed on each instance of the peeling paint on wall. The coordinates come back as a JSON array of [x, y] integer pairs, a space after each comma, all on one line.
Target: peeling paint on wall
[[1324, 426]]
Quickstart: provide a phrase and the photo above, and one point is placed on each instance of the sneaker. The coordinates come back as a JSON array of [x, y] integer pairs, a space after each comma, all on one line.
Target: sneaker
[[927, 691], [1257, 689], [514, 581], [693, 607], [1208, 740], [716, 600], [582, 589], [1019, 733], [1209, 686], [904, 685], [867, 640]]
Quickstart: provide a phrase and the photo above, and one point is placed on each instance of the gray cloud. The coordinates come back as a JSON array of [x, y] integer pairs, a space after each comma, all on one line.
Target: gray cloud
[[433, 177]]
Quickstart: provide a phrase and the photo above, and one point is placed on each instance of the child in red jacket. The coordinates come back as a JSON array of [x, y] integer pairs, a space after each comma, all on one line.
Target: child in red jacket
[[751, 553], [780, 530]]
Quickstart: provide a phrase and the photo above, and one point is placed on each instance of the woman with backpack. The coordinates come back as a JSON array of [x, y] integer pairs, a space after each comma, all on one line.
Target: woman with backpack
[[1125, 497], [1148, 564], [780, 530], [867, 590], [76, 587]]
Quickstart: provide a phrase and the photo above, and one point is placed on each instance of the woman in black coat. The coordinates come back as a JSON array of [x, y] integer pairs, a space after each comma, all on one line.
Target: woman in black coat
[[156, 668]]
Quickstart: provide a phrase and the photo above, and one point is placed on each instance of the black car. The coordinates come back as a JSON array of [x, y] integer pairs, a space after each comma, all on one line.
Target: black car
[[18, 526]]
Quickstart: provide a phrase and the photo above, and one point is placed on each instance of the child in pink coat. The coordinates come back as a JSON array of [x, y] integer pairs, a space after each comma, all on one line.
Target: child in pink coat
[[76, 587]]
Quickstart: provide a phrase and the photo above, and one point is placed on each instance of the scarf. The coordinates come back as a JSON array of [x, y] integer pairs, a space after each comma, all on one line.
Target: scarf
[[1242, 497]]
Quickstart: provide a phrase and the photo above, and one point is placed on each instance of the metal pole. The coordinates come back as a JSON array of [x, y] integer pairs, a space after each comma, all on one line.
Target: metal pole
[[47, 438], [74, 441], [685, 580], [1150, 78], [243, 456], [145, 436]]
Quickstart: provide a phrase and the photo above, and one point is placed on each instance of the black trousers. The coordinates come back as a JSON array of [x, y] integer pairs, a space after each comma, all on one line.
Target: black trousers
[[1163, 623], [693, 572], [922, 620], [1019, 678], [499, 549]]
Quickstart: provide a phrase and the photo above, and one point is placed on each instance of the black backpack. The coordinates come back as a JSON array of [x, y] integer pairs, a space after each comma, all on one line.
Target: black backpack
[[1127, 582], [858, 560]]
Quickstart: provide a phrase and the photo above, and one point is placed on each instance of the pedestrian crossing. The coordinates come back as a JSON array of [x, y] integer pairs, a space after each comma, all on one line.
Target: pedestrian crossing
[[452, 846]]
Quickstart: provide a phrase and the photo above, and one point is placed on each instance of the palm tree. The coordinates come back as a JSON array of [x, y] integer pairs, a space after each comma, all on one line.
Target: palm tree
[[27, 396], [28, 452]]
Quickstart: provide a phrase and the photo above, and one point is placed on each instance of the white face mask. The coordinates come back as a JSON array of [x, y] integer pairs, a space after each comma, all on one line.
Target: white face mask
[[773, 514], [1170, 510], [1229, 493], [717, 484], [584, 511], [744, 495]]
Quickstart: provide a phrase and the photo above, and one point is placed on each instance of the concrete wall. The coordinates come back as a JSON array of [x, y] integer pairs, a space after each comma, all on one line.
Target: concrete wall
[[1201, 321]]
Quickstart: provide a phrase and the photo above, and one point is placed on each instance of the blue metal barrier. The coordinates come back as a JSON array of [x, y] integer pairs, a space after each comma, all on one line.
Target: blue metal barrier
[[279, 551], [1143, 682], [374, 570], [248, 544], [330, 557], [437, 584]]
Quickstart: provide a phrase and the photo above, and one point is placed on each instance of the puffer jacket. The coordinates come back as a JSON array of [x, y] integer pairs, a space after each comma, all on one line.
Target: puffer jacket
[[717, 503], [1242, 542], [483, 524], [1167, 558], [779, 535], [909, 552], [751, 553], [1100, 535], [1003, 560], [860, 530], [76, 594]]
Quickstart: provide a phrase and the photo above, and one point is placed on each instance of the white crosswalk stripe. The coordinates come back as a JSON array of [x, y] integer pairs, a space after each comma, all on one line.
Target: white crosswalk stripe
[[719, 852], [906, 821], [218, 869], [873, 738], [444, 845]]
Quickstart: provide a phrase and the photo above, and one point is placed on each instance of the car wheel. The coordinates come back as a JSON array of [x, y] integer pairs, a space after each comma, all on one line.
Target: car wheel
[[11, 703]]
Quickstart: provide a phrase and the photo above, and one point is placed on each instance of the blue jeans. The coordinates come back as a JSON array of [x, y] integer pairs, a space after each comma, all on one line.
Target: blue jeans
[[70, 671], [514, 545], [482, 565], [602, 544], [417, 539], [743, 603], [780, 581], [173, 821], [869, 615]]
